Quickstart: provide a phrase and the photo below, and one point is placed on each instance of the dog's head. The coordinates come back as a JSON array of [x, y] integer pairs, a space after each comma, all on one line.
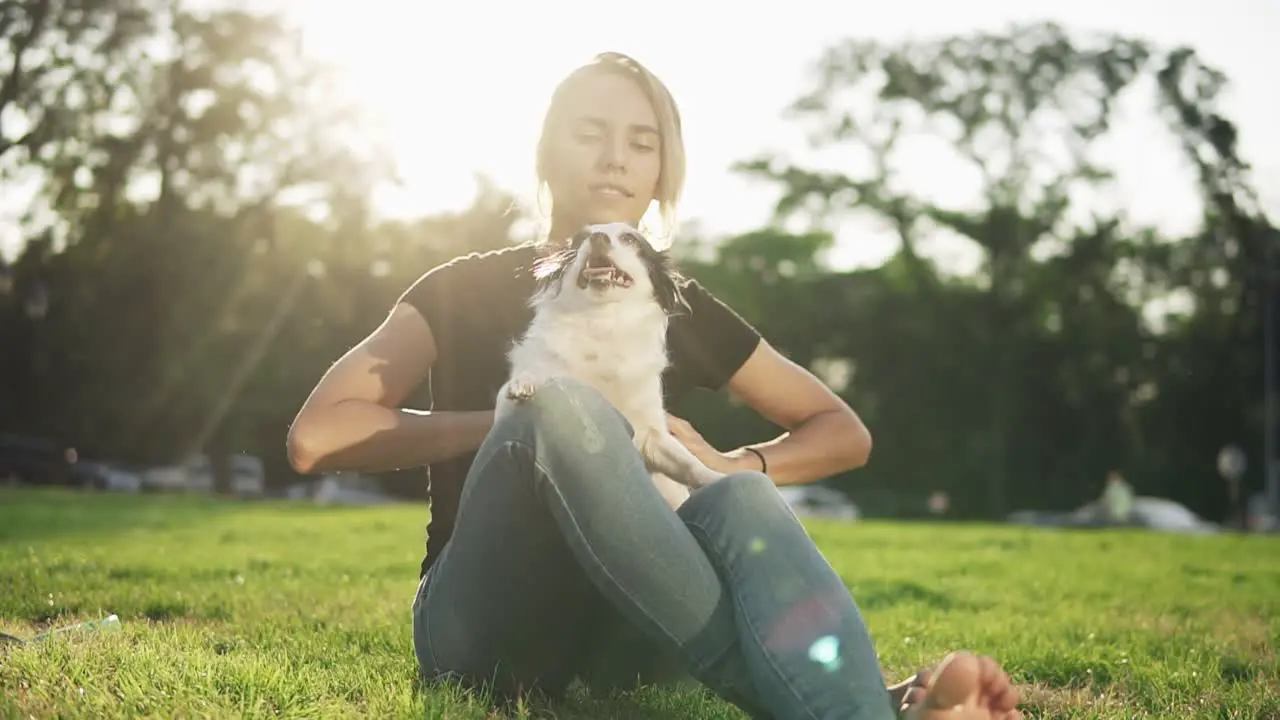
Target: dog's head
[[611, 263]]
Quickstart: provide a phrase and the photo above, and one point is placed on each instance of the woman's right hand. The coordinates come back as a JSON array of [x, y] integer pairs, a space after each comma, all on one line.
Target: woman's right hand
[[352, 420]]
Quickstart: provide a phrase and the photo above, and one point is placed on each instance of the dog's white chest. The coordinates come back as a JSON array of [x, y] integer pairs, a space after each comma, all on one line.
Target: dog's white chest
[[600, 322]]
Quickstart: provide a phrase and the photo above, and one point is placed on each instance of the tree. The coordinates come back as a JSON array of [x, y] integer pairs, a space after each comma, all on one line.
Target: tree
[[1054, 333]]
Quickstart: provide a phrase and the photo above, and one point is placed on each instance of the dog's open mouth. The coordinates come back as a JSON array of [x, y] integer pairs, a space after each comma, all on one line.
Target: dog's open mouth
[[600, 273]]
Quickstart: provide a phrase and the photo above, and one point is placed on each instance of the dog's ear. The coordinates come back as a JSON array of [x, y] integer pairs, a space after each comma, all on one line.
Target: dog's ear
[[549, 270], [670, 299], [578, 238], [662, 275], [666, 285]]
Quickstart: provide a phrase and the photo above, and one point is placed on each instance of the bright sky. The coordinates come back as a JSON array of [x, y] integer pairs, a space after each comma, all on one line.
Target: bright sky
[[462, 90]]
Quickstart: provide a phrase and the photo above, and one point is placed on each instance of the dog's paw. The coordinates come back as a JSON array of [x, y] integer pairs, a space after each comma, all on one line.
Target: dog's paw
[[522, 387]]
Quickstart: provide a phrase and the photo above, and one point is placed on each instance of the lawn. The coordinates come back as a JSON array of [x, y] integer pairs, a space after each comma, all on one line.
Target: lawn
[[289, 610]]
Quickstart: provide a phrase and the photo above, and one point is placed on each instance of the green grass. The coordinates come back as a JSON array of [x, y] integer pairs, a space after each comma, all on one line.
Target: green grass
[[289, 610]]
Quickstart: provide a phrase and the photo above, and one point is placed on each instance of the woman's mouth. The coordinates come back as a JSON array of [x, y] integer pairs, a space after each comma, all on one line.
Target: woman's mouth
[[609, 190]]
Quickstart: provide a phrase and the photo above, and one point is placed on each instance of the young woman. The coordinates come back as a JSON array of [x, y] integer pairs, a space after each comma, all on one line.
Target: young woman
[[550, 556]]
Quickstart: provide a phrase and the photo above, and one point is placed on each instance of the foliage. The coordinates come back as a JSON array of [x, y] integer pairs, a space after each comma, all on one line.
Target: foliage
[[204, 239], [1023, 384]]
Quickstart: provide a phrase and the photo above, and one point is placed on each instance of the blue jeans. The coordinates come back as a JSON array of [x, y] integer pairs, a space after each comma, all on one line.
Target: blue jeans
[[565, 562]]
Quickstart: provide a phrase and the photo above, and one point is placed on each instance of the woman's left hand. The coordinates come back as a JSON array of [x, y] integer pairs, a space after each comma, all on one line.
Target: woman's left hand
[[698, 445]]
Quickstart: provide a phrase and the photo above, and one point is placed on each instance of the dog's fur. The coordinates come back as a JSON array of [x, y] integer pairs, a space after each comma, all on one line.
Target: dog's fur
[[609, 331]]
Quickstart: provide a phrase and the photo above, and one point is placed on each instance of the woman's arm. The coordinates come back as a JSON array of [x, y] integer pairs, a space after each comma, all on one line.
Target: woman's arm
[[351, 421], [824, 435]]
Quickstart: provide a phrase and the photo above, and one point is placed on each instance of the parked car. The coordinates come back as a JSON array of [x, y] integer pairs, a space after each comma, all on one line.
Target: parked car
[[31, 460], [819, 501], [195, 474], [106, 476], [349, 489], [1152, 513]]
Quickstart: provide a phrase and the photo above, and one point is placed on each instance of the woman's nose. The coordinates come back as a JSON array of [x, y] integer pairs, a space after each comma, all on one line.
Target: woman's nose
[[613, 155]]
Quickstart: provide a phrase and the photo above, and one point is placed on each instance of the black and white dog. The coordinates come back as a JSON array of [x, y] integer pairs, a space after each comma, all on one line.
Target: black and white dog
[[600, 317]]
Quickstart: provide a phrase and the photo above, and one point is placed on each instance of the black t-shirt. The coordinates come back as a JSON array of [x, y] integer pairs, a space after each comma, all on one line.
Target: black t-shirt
[[477, 306]]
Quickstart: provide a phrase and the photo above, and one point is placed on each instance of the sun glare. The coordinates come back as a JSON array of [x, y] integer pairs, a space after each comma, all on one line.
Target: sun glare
[[461, 93], [446, 112], [464, 95]]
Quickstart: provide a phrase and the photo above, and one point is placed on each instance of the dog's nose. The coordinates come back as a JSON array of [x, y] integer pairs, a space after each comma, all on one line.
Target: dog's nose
[[599, 242]]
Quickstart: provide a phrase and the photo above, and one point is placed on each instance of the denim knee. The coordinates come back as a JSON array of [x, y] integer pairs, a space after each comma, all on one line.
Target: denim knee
[[569, 430], [747, 490], [746, 502], [565, 407]]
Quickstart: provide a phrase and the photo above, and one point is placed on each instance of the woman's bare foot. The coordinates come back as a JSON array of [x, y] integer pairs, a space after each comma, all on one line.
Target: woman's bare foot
[[911, 691], [965, 686]]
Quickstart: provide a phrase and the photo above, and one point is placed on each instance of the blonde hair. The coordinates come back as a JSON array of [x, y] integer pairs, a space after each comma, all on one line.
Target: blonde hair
[[672, 175]]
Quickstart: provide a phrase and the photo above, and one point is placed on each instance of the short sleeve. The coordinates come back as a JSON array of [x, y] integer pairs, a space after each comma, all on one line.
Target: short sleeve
[[439, 293], [714, 341]]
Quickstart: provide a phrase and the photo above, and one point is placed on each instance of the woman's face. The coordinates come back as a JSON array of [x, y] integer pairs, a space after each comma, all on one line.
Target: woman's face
[[605, 152]]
